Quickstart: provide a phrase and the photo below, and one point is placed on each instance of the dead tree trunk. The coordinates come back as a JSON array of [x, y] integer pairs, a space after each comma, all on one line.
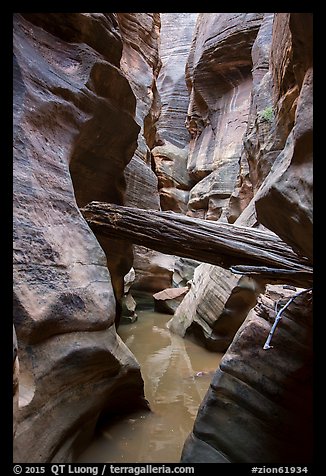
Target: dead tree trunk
[[242, 250]]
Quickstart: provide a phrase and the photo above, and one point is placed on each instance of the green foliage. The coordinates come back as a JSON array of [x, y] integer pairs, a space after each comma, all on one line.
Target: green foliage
[[267, 114]]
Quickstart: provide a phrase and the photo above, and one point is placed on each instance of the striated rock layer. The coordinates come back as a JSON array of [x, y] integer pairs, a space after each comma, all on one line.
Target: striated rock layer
[[215, 307], [212, 285], [219, 80], [71, 102], [176, 35], [259, 406], [284, 201], [141, 64], [173, 179], [258, 149]]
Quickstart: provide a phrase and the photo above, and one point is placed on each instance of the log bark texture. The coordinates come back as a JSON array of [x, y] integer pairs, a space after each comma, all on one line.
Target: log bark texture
[[241, 249]]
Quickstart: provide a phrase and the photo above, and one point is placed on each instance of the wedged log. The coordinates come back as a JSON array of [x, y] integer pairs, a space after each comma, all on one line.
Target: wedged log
[[241, 249]]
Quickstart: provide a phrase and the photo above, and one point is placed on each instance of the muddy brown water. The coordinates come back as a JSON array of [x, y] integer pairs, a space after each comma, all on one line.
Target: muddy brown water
[[177, 373]]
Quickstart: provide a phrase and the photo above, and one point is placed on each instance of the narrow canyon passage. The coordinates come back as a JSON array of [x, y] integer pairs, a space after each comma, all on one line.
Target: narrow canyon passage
[[177, 373], [163, 223]]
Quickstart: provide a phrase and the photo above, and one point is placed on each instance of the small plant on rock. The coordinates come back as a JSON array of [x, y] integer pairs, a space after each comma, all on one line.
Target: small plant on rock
[[267, 114]]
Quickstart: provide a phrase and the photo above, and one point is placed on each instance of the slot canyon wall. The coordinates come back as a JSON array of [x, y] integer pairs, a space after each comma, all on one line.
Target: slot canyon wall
[[208, 115], [259, 405], [71, 103], [141, 63]]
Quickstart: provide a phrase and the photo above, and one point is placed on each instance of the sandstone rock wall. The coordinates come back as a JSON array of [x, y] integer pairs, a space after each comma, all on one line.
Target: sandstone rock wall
[[71, 102], [176, 35], [141, 63], [258, 149], [276, 160], [173, 179], [284, 201], [259, 406], [219, 79], [85, 119], [171, 152]]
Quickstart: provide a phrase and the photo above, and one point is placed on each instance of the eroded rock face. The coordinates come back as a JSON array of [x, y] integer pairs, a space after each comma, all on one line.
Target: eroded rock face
[[70, 101], [141, 64], [284, 201], [259, 406], [184, 271], [219, 80], [259, 148], [176, 35], [154, 270], [15, 391], [173, 179], [277, 154], [217, 303]]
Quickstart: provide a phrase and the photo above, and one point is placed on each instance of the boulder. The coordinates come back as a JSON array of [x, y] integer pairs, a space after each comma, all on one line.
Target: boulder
[[168, 300], [128, 280], [183, 271], [128, 312], [217, 303]]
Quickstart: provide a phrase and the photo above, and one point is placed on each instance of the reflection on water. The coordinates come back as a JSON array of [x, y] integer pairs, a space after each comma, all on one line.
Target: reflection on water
[[177, 374]]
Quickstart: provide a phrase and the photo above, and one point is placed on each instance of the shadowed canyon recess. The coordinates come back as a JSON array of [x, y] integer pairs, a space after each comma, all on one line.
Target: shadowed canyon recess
[[162, 234]]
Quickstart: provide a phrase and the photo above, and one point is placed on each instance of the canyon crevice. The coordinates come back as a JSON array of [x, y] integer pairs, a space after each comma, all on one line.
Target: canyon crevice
[[166, 153]]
